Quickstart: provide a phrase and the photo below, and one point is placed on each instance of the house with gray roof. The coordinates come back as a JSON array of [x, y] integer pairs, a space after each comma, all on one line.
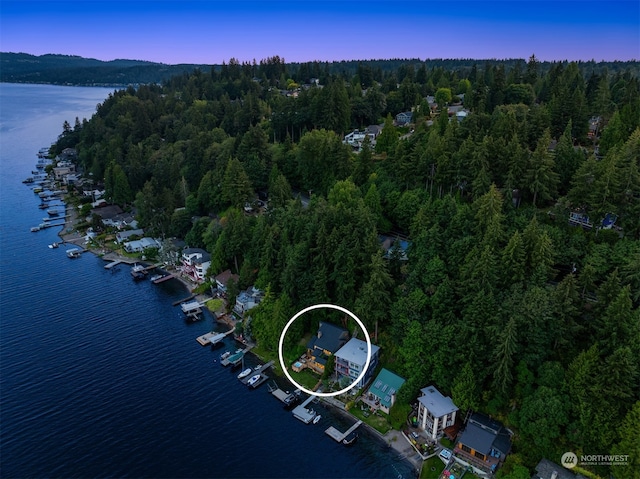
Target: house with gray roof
[[550, 470], [195, 263], [138, 246], [350, 361], [484, 443], [384, 389], [329, 339], [435, 412]]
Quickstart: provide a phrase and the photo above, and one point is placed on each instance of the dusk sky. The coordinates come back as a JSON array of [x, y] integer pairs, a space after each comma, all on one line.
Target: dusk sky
[[210, 32]]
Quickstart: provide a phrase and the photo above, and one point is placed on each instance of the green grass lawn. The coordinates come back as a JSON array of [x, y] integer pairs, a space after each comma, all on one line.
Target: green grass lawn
[[305, 378], [432, 468], [379, 422]]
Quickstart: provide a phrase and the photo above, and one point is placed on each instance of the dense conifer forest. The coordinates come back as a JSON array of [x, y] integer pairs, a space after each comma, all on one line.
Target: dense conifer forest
[[498, 300]]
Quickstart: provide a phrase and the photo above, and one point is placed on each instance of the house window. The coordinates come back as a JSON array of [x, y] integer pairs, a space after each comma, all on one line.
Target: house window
[[465, 448], [479, 455]]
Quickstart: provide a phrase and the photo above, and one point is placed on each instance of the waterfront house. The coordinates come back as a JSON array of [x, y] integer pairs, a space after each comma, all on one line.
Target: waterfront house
[[435, 412], [383, 390], [246, 300], [484, 443], [122, 236], [350, 361], [223, 279], [138, 246], [195, 263], [329, 339]]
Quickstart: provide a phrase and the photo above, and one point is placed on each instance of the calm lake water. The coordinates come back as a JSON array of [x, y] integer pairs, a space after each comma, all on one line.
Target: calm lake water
[[101, 377]]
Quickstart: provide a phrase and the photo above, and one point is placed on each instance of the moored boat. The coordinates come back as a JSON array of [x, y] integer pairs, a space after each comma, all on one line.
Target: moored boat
[[316, 419], [138, 272], [350, 439], [245, 373], [253, 380], [74, 253]]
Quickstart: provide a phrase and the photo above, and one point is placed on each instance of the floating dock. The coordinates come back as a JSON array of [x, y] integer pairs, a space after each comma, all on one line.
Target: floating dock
[[285, 397], [166, 277], [212, 338], [338, 436], [302, 413], [113, 263], [176, 303], [235, 358], [263, 377]]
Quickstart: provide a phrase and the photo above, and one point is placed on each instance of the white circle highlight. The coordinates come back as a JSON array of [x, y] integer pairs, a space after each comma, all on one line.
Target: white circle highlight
[[329, 306]]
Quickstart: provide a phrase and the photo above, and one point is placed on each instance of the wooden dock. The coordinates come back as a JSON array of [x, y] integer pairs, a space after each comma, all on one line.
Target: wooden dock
[[260, 370], [235, 358], [302, 413], [212, 338], [338, 436], [176, 303], [164, 278]]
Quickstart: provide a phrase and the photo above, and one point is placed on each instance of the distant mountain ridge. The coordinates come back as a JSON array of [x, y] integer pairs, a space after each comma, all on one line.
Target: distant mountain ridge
[[75, 70]]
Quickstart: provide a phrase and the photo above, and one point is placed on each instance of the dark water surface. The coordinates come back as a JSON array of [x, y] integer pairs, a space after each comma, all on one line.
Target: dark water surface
[[101, 377]]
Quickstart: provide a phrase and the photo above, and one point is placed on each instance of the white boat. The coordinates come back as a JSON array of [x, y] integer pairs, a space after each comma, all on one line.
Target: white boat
[[244, 373], [316, 419], [35, 228], [74, 253], [258, 367], [53, 245], [253, 380]]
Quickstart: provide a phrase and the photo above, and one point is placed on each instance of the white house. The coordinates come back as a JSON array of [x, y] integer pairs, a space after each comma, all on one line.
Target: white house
[[195, 263], [351, 358], [121, 236], [247, 299], [140, 245], [435, 412]]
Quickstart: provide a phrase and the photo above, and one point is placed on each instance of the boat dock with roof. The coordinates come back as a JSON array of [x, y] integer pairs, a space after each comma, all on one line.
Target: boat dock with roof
[[338, 436], [235, 358], [192, 309]]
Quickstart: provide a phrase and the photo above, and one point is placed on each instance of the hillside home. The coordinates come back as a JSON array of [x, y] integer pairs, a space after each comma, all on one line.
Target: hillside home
[[435, 412], [222, 280], [550, 470], [383, 390], [350, 361], [195, 263], [404, 118], [246, 300], [329, 339], [484, 443]]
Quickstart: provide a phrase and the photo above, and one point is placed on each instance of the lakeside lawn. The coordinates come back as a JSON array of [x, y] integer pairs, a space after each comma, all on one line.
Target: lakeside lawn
[[380, 422], [432, 468]]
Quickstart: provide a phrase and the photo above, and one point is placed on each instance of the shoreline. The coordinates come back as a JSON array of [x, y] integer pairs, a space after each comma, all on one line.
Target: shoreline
[[392, 439]]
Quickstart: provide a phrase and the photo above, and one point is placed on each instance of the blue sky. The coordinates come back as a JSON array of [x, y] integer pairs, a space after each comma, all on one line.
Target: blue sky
[[210, 32]]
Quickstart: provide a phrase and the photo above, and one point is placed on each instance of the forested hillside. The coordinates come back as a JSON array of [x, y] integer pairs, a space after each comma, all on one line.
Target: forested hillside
[[499, 302]]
